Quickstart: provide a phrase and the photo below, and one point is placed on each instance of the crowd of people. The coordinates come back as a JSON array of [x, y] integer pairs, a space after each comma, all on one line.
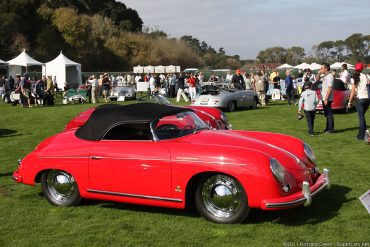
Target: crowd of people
[[28, 90], [188, 85]]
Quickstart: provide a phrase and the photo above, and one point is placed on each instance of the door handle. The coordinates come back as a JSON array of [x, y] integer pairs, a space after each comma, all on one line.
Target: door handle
[[95, 157]]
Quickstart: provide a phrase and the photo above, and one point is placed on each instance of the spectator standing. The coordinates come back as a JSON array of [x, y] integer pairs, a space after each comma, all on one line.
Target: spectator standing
[[345, 76], [310, 100], [200, 78], [49, 92], [100, 87], [266, 83], [25, 89], [248, 81], [259, 86], [361, 88], [55, 84], [289, 85], [276, 95], [39, 91], [137, 78], [11, 84], [152, 84], [238, 78], [94, 88], [229, 76], [106, 86], [192, 81], [327, 95], [180, 90], [172, 85], [2, 86]]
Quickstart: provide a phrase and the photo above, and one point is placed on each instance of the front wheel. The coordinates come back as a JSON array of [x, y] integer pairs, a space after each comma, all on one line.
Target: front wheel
[[60, 188], [221, 199]]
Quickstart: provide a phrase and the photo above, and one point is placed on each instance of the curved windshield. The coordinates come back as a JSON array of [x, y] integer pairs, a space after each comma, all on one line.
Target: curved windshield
[[178, 125]]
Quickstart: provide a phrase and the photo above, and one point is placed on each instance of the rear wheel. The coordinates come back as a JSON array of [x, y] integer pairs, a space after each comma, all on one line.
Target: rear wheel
[[255, 103], [231, 106], [221, 199], [60, 188]]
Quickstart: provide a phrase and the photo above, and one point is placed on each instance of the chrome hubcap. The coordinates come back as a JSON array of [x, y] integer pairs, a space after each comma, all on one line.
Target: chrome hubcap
[[222, 196], [61, 185]]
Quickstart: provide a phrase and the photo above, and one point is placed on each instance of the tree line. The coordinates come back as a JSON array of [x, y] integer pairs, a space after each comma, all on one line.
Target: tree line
[[108, 36], [354, 48]]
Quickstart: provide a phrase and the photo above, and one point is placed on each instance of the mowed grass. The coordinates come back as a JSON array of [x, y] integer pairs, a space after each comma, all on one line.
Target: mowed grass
[[27, 219]]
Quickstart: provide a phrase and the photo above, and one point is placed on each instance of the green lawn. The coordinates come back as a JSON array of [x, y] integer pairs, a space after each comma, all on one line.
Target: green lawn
[[27, 219]]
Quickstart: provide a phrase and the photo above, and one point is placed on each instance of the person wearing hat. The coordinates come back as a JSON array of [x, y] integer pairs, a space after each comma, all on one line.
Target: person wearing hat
[[238, 78], [361, 87], [310, 100]]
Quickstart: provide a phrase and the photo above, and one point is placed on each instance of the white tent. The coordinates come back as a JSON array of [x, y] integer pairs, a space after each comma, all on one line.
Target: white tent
[[22, 60], [159, 69], [302, 66], [314, 66], [64, 69], [138, 69], [1, 61], [149, 69], [285, 66], [338, 65], [170, 69]]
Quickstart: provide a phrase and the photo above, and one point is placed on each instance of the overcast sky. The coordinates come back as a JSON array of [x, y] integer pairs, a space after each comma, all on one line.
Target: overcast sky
[[245, 27]]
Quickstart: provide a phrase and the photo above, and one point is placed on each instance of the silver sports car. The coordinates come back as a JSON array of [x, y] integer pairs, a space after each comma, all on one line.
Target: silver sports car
[[226, 95]]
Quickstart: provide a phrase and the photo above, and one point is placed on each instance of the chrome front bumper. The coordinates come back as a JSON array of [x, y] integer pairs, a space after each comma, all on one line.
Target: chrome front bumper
[[304, 197]]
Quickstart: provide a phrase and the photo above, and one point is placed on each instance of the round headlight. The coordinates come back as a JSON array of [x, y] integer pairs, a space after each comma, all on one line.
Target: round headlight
[[309, 153], [224, 118], [277, 170]]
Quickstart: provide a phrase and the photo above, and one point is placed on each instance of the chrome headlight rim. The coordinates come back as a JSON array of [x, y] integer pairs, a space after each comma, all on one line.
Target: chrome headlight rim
[[277, 170], [309, 153]]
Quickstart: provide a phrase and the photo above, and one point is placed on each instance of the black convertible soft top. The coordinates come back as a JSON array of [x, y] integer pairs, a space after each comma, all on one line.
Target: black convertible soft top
[[109, 115]]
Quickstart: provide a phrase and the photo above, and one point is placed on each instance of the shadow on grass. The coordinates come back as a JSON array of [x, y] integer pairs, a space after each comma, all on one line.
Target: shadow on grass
[[7, 133], [8, 174], [140, 208], [346, 129], [324, 207]]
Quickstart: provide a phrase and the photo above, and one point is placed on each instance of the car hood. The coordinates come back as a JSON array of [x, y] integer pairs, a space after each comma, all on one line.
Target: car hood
[[243, 140]]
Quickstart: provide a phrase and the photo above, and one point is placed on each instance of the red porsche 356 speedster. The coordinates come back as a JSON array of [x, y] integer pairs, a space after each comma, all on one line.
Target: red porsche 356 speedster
[[167, 156]]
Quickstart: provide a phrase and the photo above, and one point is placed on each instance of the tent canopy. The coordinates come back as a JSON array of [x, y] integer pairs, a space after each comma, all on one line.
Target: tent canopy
[[338, 65], [64, 70], [22, 60], [314, 66], [302, 66], [285, 66], [25, 60], [1, 61]]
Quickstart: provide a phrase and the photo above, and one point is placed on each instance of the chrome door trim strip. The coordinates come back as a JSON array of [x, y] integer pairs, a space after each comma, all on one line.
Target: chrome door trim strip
[[134, 196]]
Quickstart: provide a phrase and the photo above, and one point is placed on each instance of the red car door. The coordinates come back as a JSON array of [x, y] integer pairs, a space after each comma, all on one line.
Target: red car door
[[130, 167]]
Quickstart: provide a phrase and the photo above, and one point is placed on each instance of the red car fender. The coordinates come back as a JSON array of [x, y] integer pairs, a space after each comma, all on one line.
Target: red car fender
[[250, 167]]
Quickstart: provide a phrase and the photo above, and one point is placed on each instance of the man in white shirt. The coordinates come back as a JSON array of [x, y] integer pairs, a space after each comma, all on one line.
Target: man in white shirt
[[345, 76], [327, 95], [229, 76]]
